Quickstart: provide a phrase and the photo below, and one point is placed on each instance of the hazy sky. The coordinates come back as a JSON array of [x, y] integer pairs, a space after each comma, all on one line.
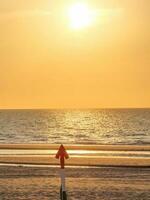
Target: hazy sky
[[45, 63]]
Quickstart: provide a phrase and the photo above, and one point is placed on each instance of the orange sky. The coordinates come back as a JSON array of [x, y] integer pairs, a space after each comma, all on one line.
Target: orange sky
[[44, 63]]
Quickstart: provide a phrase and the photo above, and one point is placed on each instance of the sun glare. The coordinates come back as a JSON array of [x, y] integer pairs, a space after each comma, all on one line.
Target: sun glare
[[80, 16]]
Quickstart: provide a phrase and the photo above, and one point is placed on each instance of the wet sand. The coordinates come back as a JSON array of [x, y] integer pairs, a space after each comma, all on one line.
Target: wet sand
[[78, 147], [77, 160], [88, 155], [101, 183]]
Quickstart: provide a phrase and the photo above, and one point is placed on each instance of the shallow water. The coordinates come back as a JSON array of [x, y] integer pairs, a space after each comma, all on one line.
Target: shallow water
[[91, 126], [89, 153]]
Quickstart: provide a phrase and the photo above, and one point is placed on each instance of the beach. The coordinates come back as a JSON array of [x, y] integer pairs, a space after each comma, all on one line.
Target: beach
[[94, 172], [82, 183], [80, 155], [75, 100]]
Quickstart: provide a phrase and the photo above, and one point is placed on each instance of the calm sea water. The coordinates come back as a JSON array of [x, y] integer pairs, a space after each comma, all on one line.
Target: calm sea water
[[91, 126]]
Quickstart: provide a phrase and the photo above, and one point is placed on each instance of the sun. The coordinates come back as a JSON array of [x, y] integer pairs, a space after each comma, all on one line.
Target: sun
[[80, 15]]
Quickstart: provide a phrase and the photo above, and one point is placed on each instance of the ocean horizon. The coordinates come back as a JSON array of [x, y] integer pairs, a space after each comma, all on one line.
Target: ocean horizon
[[76, 126]]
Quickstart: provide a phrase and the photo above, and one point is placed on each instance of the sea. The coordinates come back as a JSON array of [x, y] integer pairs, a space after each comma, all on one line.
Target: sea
[[76, 126]]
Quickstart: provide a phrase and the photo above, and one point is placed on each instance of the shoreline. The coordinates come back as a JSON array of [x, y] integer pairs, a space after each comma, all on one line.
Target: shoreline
[[78, 160], [104, 147], [80, 155]]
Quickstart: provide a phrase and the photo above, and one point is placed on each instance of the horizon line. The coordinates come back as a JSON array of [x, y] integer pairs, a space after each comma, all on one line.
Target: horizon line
[[72, 108]]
